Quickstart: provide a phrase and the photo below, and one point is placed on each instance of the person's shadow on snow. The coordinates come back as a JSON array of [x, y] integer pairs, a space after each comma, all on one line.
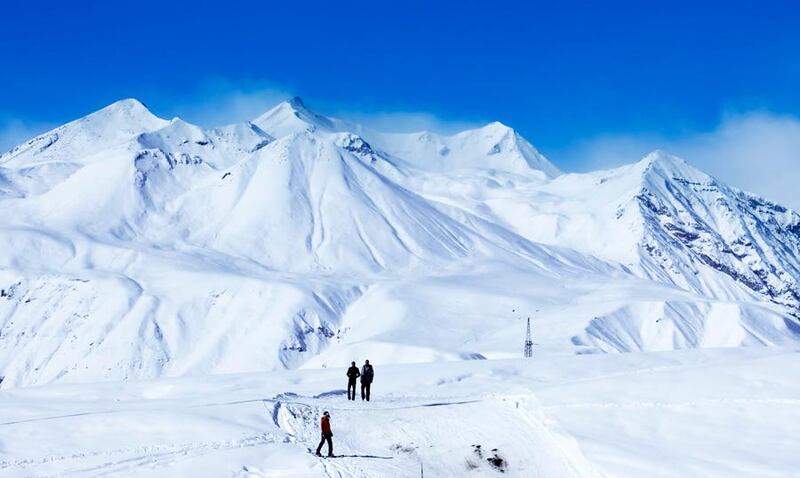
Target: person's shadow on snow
[[374, 457]]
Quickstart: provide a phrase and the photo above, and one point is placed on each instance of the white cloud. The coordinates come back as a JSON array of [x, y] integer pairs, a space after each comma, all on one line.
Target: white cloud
[[759, 152], [409, 122], [755, 151], [219, 102]]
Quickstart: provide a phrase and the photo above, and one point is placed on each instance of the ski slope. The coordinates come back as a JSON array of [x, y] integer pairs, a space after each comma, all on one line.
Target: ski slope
[[691, 413]]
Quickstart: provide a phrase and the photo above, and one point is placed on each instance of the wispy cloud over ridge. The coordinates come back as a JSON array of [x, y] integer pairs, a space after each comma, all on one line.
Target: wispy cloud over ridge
[[409, 122], [218, 101], [16, 131], [757, 151]]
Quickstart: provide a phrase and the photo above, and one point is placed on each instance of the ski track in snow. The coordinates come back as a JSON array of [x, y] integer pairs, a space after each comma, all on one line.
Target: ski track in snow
[[546, 418], [142, 456], [296, 418]]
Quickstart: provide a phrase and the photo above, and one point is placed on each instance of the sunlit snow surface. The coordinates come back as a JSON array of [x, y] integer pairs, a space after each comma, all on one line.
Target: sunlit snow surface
[[664, 305], [693, 413]]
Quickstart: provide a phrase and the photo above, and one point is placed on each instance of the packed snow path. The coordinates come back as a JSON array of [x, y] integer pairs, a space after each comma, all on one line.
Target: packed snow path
[[725, 413], [403, 435], [398, 437]]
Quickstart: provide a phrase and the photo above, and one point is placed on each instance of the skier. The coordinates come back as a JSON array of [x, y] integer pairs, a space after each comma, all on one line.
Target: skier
[[325, 426], [352, 375], [367, 374]]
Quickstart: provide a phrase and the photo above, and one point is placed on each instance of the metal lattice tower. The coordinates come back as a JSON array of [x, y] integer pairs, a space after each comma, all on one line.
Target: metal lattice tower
[[528, 341]]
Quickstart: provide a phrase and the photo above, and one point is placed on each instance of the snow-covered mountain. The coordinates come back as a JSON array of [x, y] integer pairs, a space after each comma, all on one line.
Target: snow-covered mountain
[[134, 246], [494, 146], [666, 221]]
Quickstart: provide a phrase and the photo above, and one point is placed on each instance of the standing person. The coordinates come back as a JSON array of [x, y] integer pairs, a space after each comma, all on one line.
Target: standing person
[[352, 375], [325, 426], [367, 374]]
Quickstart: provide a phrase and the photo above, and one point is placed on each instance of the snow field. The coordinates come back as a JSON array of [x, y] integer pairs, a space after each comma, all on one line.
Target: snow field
[[709, 412]]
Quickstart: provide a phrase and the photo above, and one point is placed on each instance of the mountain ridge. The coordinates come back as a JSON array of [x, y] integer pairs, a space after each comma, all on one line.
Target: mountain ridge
[[138, 247]]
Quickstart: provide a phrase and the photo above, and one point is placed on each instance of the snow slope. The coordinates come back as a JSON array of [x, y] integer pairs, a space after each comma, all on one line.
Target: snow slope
[[72, 142], [696, 413], [494, 146], [136, 247]]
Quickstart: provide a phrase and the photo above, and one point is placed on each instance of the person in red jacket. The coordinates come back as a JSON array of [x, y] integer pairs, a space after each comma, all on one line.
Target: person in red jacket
[[325, 426]]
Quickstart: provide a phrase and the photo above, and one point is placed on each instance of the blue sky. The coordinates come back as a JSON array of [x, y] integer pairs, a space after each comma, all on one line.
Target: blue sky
[[567, 75]]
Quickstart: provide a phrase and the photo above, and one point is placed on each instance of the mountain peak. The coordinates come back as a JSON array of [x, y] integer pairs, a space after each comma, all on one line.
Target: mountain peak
[[292, 105], [128, 113], [497, 127], [660, 171], [129, 109], [114, 124], [296, 102], [659, 156], [292, 116], [126, 104], [668, 165]]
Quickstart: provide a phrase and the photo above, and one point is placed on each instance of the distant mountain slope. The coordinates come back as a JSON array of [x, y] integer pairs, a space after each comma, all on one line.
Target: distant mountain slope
[[134, 247], [110, 126], [666, 220], [696, 222], [494, 146]]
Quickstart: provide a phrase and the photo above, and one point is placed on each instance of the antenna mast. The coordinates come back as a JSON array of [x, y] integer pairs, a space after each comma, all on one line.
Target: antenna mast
[[528, 341]]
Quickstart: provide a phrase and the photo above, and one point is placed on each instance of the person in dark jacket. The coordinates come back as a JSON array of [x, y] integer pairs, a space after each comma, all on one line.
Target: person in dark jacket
[[367, 374], [352, 375], [325, 428]]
